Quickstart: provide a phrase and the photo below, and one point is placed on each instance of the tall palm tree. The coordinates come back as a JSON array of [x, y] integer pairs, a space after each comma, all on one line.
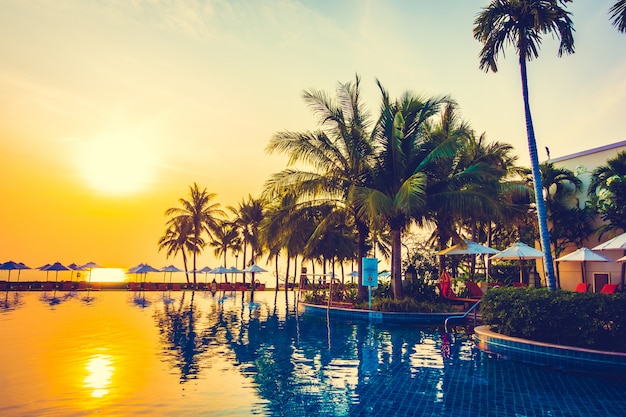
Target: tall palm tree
[[200, 214], [618, 15], [522, 24], [339, 155], [178, 238], [397, 192]]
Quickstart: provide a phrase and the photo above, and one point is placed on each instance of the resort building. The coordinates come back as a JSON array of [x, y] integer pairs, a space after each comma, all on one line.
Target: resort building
[[596, 273]]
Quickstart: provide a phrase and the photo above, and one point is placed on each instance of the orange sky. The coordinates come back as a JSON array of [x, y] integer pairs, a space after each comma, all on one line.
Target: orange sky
[[110, 110]]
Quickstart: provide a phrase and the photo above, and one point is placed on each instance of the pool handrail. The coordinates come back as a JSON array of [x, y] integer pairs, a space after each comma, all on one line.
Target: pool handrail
[[469, 310]]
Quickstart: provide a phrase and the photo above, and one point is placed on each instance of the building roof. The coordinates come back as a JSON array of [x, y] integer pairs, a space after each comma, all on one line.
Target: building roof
[[590, 151]]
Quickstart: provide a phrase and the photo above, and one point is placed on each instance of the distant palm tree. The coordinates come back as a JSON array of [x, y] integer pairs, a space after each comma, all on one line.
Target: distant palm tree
[[178, 238], [339, 156], [200, 214], [225, 238], [248, 216], [522, 23], [618, 15]]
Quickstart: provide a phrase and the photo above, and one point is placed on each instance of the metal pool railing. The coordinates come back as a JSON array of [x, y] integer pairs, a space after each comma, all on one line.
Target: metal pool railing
[[472, 308]]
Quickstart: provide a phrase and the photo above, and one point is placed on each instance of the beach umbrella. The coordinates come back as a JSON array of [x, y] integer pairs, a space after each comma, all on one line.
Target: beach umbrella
[[10, 265], [89, 266], [521, 252], [204, 271], [57, 266], [220, 270], [44, 268], [171, 269], [254, 269], [468, 247], [144, 269], [583, 255], [73, 267], [618, 242]]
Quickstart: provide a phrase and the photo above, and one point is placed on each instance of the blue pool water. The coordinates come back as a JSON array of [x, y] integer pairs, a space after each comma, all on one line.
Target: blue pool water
[[184, 353]]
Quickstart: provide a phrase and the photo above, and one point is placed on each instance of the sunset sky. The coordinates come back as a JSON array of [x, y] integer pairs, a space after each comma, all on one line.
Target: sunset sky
[[111, 109]]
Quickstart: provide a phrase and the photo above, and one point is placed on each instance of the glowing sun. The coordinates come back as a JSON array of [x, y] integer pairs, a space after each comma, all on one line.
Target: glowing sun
[[116, 164]]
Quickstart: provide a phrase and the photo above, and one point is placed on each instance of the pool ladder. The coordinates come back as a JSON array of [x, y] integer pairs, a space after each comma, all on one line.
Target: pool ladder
[[472, 308]]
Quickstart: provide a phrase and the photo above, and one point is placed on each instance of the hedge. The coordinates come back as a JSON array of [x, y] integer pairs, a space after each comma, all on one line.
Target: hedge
[[587, 320]]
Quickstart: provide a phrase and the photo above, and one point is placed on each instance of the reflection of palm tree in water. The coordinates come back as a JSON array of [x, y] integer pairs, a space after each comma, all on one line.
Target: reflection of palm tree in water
[[178, 326]]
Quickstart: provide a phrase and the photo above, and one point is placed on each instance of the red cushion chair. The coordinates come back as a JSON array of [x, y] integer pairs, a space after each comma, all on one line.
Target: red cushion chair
[[581, 287], [609, 289]]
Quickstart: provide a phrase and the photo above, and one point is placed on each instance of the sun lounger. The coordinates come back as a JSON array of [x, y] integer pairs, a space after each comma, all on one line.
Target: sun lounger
[[581, 287], [609, 289], [474, 289]]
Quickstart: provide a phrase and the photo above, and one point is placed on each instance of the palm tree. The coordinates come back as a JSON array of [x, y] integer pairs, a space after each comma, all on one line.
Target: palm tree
[[397, 192], [522, 24], [178, 238], [464, 187], [200, 214], [607, 192], [225, 238], [249, 215], [560, 188], [339, 154], [618, 15]]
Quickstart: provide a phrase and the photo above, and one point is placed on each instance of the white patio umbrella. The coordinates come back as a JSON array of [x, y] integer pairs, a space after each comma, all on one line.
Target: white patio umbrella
[[10, 265], [89, 266], [220, 270], [171, 269], [73, 267], [234, 270], [583, 255], [57, 266], [204, 271], [469, 247], [144, 269], [521, 252], [254, 269], [618, 242]]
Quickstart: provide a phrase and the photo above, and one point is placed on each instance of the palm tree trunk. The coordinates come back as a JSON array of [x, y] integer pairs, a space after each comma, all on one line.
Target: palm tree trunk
[[362, 231], [276, 266], [185, 264], [396, 263], [538, 185]]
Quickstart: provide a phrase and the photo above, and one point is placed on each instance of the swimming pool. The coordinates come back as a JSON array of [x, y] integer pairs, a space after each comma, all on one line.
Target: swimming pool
[[184, 353]]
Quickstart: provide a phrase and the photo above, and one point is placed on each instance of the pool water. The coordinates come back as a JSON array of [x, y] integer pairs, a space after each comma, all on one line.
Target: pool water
[[197, 354]]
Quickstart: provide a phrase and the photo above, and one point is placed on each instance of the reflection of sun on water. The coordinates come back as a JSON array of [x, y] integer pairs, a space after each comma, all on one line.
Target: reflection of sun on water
[[100, 371], [107, 275]]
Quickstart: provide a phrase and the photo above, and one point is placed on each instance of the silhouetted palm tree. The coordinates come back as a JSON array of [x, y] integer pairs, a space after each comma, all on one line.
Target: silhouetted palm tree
[[618, 15], [225, 238], [522, 23], [248, 216], [178, 238], [339, 155], [200, 214]]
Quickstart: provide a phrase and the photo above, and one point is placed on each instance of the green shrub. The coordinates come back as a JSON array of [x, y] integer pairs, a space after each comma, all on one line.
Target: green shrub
[[593, 321]]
